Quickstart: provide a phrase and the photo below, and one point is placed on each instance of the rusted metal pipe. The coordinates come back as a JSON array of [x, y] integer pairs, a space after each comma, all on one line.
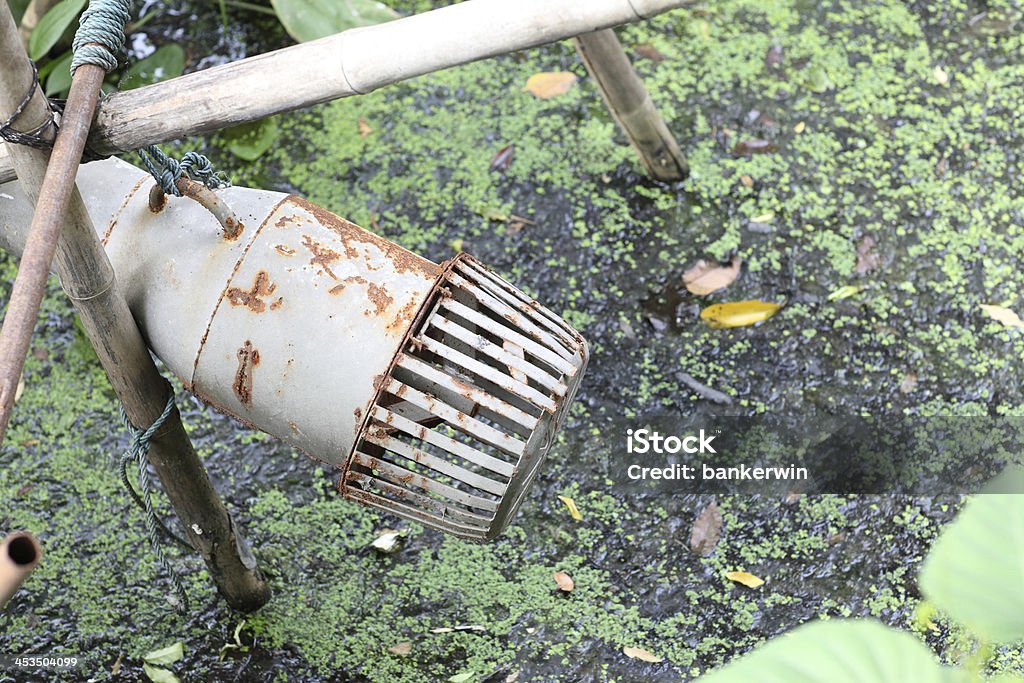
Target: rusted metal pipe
[[89, 281], [436, 390], [206, 198], [19, 554], [54, 196]]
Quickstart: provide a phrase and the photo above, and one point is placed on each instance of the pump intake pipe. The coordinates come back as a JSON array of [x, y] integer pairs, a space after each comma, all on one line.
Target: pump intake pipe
[[436, 390], [19, 555]]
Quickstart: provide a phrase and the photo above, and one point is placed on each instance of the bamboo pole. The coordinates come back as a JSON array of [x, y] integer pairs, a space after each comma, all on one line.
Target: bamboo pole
[[89, 282], [51, 205], [630, 104], [19, 555], [353, 62]]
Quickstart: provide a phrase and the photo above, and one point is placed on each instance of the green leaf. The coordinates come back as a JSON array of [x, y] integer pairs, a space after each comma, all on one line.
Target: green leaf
[[58, 82], [167, 655], [975, 570], [18, 8], [52, 26], [311, 19], [250, 140], [167, 62], [838, 651], [816, 79], [464, 677], [158, 675]]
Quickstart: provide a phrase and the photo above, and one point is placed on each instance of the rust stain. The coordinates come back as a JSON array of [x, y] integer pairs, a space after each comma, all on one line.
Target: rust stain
[[252, 299], [351, 234], [284, 250], [379, 297], [120, 209], [248, 359], [404, 316], [294, 427], [377, 381], [322, 256], [358, 412], [355, 279], [283, 221], [157, 199]]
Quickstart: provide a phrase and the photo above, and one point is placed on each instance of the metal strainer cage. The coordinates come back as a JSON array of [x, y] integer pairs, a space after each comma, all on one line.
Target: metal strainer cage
[[469, 408]]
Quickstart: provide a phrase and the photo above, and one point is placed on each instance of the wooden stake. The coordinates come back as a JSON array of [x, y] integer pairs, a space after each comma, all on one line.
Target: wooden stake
[[89, 281], [631, 105]]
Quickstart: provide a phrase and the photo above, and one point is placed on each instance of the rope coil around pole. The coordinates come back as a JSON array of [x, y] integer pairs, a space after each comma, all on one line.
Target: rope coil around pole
[[138, 453]]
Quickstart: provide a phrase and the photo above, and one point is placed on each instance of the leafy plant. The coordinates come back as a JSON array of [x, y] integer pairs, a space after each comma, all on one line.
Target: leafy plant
[[974, 573], [311, 19], [52, 26]]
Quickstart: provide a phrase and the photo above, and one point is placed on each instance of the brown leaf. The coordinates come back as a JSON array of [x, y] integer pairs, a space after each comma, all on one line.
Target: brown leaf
[[704, 278], [40, 353], [866, 260], [364, 128], [755, 146], [548, 84], [747, 181], [642, 654], [648, 51], [707, 529], [773, 57], [502, 159], [909, 383], [564, 581], [401, 649]]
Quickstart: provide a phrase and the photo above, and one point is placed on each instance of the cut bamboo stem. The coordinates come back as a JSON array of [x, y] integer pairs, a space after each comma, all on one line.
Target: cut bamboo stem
[[19, 555], [630, 104], [353, 62], [89, 281]]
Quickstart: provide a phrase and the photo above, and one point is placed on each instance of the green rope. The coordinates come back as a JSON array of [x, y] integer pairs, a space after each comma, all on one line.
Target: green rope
[[138, 453], [98, 41]]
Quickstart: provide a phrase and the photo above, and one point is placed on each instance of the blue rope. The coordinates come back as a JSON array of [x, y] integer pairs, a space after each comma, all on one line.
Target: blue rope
[[138, 453], [98, 41]]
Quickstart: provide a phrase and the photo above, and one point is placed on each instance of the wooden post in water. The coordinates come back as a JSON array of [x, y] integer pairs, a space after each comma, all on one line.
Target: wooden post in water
[[631, 104], [89, 281]]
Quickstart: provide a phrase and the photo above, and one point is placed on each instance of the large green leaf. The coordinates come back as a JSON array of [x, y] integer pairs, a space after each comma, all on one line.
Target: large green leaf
[[838, 652], [52, 26], [167, 62], [58, 82], [975, 570], [249, 141], [311, 19]]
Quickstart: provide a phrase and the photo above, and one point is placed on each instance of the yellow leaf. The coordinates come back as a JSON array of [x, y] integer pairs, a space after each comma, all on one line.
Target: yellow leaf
[[738, 313], [748, 580], [1003, 315], [704, 277], [941, 77], [763, 218], [571, 505], [641, 654], [564, 581], [799, 128], [747, 181], [548, 84], [844, 292]]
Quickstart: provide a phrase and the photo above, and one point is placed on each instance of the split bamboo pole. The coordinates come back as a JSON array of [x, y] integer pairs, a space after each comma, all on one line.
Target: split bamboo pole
[[89, 282], [353, 62], [630, 104]]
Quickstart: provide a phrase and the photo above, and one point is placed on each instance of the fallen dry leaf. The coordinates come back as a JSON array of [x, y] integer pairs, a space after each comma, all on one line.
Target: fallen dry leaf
[[364, 128], [706, 530], [750, 147], [648, 51], [453, 629], [571, 505], [941, 77], [641, 654], [401, 649], [747, 181], [502, 159], [998, 313], [40, 353], [773, 57], [548, 84], [387, 541], [748, 580], [564, 581], [20, 389], [799, 128], [738, 313], [909, 383], [704, 278], [866, 259]]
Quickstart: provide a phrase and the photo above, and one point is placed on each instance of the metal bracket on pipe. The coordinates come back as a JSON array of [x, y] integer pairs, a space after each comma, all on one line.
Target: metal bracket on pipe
[[206, 198]]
